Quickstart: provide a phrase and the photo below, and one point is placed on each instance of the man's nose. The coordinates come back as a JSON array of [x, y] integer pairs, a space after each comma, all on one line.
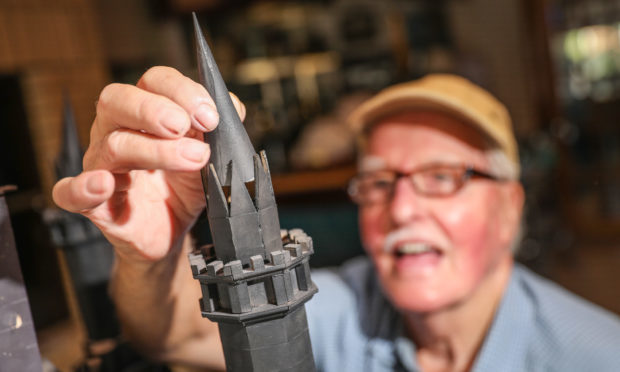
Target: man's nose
[[406, 204]]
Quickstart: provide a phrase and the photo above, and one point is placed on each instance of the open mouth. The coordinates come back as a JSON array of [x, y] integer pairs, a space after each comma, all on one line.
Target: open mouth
[[418, 249]]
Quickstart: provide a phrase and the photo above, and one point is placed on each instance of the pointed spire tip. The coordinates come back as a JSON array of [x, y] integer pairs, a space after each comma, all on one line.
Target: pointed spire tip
[[229, 141]]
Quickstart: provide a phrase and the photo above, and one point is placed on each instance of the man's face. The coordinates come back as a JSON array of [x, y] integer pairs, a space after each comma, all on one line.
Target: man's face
[[459, 239]]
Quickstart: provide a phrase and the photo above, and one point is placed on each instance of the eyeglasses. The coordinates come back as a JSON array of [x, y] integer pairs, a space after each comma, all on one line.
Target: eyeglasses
[[434, 180]]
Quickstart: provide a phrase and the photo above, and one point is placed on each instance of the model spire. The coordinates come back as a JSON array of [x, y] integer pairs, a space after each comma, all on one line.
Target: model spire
[[229, 141]]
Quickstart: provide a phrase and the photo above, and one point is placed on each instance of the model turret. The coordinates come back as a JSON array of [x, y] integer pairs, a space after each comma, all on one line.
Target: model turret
[[255, 278]]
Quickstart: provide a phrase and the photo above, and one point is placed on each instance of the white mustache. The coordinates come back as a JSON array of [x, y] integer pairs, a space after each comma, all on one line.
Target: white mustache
[[393, 237]]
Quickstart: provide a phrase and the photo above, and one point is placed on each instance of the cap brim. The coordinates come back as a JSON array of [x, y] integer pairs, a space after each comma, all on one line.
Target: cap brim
[[400, 99]]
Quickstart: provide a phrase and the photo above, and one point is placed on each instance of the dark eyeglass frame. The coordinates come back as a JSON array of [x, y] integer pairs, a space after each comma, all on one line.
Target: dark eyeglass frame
[[469, 172]]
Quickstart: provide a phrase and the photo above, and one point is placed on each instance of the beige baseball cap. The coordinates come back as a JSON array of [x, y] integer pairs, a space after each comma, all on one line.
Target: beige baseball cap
[[447, 93]]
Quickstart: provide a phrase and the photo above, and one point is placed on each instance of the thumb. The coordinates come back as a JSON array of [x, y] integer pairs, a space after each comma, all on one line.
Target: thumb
[[84, 192]]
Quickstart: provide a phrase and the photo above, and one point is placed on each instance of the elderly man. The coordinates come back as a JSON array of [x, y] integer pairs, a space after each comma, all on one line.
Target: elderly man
[[440, 206]]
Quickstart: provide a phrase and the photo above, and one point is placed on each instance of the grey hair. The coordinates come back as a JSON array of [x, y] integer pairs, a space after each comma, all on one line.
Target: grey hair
[[502, 167]]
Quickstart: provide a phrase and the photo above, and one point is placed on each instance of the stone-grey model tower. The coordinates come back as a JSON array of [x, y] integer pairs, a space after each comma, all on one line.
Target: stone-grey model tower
[[89, 257], [88, 254], [255, 278]]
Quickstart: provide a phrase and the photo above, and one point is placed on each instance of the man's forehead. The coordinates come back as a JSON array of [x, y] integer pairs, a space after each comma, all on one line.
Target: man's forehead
[[437, 121], [411, 140]]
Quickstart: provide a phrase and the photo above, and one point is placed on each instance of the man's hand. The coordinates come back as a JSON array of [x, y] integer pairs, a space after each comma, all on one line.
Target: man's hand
[[141, 183], [141, 186]]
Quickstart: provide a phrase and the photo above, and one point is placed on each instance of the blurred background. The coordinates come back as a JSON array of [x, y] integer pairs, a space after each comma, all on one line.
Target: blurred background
[[300, 67]]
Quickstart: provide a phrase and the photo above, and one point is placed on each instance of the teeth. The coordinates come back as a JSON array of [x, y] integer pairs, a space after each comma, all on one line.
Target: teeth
[[414, 248]]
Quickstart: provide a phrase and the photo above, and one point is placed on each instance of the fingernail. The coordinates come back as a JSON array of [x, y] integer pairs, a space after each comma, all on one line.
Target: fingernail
[[94, 185], [193, 150], [175, 121], [206, 116]]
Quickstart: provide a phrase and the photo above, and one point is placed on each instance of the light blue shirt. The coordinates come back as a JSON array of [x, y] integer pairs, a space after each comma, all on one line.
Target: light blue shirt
[[538, 326]]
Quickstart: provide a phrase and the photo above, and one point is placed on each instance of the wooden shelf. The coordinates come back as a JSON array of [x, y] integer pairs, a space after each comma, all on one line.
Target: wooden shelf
[[332, 179]]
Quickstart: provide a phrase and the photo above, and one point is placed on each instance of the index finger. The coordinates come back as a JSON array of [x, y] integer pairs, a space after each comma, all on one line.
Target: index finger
[[188, 94], [129, 107]]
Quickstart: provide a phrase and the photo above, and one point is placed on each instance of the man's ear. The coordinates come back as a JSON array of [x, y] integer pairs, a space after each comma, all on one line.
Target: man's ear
[[514, 201]]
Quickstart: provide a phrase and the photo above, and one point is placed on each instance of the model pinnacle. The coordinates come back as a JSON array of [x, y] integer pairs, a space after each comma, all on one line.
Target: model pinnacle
[[255, 278], [69, 160]]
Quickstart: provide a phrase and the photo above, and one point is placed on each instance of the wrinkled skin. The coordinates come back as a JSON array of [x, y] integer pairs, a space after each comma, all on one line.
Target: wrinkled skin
[[141, 183], [470, 232]]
